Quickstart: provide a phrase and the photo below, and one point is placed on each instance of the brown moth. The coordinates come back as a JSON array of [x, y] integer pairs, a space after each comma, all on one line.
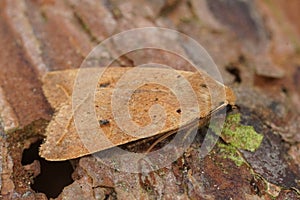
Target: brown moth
[[63, 142]]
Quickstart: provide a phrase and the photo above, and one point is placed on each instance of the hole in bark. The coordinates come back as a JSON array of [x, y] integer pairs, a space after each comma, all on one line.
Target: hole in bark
[[284, 90], [235, 72], [54, 176]]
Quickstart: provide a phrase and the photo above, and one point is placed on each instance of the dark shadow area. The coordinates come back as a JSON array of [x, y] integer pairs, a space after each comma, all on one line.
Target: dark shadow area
[[235, 72], [54, 176]]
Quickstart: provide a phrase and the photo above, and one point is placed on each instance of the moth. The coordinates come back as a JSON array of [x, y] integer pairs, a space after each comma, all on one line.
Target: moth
[[62, 139]]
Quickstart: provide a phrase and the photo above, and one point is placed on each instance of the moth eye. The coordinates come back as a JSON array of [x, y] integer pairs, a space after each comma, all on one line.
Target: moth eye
[[178, 110]]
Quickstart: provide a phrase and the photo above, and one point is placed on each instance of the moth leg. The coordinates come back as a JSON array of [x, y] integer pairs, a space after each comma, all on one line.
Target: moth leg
[[67, 93], [162, 138], [70, 121], [165, 136], [65, 130]]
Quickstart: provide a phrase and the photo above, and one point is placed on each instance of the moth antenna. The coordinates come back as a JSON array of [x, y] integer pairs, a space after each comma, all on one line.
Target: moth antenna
[[162, 138], [220, 107], [190, 130]]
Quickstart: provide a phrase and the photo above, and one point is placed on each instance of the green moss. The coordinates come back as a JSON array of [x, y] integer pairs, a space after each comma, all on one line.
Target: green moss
[[240, 136], [230, 152]]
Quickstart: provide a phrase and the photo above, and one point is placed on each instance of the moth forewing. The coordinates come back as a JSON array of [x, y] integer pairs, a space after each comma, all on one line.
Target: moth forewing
[[63, 142]]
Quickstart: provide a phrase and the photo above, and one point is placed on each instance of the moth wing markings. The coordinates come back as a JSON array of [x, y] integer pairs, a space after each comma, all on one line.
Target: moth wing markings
[[63, 151]]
